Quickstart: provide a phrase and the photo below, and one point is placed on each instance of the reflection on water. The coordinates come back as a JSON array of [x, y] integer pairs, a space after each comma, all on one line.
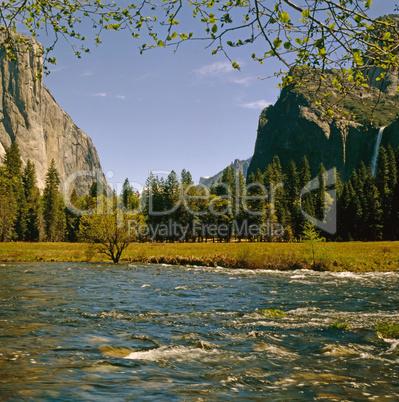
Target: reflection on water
[[101, 332]]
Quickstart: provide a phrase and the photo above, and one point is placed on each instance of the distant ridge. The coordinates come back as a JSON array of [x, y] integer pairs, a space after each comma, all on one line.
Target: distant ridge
[[238, 164]]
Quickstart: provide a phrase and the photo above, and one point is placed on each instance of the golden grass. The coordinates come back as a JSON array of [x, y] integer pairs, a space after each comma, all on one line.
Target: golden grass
[[352, 256]]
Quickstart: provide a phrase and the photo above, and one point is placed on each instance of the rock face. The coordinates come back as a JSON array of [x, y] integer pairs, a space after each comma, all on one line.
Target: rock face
[[30, 116], [391, 135], [295, 127], [292, 129], [238, 165]]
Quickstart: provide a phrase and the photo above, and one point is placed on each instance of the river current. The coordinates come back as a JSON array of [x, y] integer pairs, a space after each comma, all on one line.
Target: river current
[[127, 332]]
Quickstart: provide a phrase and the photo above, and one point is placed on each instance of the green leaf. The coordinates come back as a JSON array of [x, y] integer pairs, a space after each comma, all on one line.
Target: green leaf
[[387, 35], [284, 17], [277, 43], [214, 28], [306, 13], [357, 58], [287, 45], [236, 65], [368, 3]]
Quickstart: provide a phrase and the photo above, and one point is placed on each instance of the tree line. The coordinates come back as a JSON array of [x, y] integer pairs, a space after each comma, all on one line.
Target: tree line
[[25, 214], [271, 205]]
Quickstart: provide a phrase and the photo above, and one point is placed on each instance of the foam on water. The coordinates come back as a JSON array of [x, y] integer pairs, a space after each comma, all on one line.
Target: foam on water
[[274, 350], [179, 353], [394, 343], [194, 334], [339, 350]]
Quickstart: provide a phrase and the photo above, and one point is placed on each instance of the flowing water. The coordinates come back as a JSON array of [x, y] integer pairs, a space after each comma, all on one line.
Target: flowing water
[[376, 150], [100, 332]]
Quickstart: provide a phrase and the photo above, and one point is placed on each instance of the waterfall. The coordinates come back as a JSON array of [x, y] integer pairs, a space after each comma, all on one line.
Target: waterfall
[[375, 153]]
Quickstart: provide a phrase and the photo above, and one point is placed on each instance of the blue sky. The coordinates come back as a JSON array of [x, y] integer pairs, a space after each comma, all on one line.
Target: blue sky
[[165, 110]]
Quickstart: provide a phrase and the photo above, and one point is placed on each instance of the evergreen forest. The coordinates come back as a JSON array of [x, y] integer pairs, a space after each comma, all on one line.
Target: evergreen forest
[[273, 201]]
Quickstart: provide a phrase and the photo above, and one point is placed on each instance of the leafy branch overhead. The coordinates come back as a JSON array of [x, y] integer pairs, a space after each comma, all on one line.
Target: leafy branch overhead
[[327, 35]]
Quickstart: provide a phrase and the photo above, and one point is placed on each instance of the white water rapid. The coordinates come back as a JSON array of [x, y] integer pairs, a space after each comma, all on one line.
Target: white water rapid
[[375, 153]]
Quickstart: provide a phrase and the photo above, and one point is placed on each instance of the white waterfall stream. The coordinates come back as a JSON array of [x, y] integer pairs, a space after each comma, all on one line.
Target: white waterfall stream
[[376, 149]]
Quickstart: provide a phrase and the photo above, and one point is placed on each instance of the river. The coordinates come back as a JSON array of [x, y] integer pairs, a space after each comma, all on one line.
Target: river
[[127, 332]]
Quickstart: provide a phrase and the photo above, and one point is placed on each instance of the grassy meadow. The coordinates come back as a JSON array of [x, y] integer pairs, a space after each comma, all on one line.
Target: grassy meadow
[[351, 256]]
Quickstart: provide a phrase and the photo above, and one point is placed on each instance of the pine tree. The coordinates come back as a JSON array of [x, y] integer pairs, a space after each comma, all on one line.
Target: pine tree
[[390, 221], [273, 172], [349, 213], [395, 202], [370, 227], [392, 167], [97, 189], [371, 220], [154, 200], [304, 173], [384, 185], [235, 181], [228, 175], [74, 198], [273, 179], [171, 199], [291, 184], [127, 194], [12, 161], [224, 185], [373, 216], [186, 178], [32, 196], [239, 192], [13, 172], [8, 207], [320, 194], [257, 210], [292, 189], [72, 221], [53, 206], [307, 201]]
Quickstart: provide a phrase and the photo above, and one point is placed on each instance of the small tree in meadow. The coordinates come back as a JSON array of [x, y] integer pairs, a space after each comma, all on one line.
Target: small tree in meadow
[[109, 231], [312, 236]]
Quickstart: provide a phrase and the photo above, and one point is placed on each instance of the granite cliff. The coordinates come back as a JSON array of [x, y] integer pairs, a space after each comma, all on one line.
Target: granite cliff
[[30, 116], [295, 127]]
